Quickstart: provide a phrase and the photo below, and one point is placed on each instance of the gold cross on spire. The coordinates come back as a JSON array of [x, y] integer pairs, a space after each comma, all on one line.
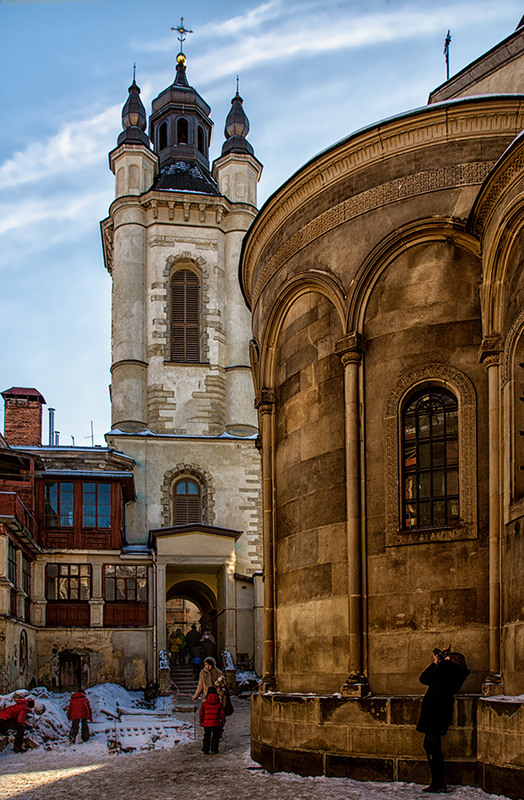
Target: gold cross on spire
[[182, 30]]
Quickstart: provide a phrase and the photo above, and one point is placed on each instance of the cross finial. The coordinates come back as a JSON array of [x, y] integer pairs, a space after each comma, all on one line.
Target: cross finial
[[447, 42], [182, 30]]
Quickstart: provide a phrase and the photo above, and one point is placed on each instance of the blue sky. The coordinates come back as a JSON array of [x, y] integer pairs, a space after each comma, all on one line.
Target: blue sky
[[311, 72]]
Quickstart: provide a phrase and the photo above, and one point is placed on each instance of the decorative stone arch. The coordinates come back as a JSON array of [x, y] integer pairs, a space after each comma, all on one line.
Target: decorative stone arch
[[512, 384], [197, 265], [313, 281], [461, 386], [423, 231], [205, 480]]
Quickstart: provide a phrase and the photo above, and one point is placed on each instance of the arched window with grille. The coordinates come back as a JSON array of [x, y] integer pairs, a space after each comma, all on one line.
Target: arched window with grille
[[186, 502], [430, 459], [185, 317]]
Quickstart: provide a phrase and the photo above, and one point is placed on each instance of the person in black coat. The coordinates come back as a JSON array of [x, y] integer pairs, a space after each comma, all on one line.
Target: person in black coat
[[444, 677]]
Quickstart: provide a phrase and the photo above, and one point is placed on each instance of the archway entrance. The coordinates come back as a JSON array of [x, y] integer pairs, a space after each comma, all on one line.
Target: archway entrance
[[190, 601]]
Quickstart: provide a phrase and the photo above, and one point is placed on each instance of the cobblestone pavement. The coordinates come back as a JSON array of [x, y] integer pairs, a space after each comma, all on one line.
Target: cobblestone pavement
[[183, 773]]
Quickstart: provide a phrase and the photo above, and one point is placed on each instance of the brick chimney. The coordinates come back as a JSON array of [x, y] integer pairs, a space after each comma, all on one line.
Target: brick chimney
[[23, 416]]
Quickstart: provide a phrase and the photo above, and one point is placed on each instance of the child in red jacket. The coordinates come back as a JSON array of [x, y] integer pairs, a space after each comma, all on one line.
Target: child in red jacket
[[79, 710], [212, 719], [12, 718]]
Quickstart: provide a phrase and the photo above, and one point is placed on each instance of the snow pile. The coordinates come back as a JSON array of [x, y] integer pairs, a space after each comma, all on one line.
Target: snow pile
[[246, 679], [120, 721]]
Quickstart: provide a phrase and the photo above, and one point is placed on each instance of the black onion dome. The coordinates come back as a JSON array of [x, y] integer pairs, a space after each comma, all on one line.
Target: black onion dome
[[236, 129], [134, 118]]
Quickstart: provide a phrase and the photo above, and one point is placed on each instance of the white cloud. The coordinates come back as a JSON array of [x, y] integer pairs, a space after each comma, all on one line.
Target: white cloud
[[78, 145], [65, 209]]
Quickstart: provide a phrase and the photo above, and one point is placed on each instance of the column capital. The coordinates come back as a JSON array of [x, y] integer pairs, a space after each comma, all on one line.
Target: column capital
[[265, 401], [350, 348], [490, 349]]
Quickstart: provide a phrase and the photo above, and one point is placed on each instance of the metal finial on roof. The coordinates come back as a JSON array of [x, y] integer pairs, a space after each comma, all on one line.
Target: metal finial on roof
[[182, 30], [447, 42], [237, 84], [134, 72]]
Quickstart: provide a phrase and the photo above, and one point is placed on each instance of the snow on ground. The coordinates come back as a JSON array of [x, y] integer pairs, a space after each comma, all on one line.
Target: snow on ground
[[120, 721], [93, 771]]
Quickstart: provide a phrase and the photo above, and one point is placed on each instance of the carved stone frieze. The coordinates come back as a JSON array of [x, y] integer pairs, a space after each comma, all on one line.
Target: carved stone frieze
[[464, 390], [510, 170], [419, 183]]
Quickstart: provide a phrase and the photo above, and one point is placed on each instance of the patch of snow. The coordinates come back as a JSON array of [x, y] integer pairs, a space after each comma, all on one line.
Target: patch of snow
[[119, 721]]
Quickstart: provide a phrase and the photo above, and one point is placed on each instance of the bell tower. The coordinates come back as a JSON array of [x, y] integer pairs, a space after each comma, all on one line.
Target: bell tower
[[181, 391]]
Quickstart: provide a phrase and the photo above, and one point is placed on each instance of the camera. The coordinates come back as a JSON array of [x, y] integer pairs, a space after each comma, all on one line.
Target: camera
[[442, 654]]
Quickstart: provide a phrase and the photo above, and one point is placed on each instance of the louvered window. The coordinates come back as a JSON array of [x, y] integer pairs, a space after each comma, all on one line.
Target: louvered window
[[187, 502], [185, 317]]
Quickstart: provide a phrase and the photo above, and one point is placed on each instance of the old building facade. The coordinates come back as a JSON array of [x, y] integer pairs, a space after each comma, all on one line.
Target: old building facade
[[384, 280], [98, 545]]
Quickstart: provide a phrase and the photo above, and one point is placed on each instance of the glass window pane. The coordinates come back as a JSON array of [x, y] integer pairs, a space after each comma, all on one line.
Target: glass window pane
[[452, 451], [181, 487], [439, 512], [437, 423], [410, 428], [110, 569], [141, 572], [424, 484], [51, 587], [125, 571], [142, 590], [52, 570], [439, 483], [110, 589], [84, 589], [192, 488], [131, 590], [410, 488], [120, 589], [85, 569], [452, 423], [74, 569], [410, 456], [439, 454], [64, 569], [453, 485], [423, 426], [66, 505], [424, 455], [453, 507], [62, 588], [425, 514]]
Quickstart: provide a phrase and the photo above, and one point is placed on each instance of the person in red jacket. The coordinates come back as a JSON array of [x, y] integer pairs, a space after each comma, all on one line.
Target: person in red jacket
[[79, 710], [212, 719], [12, 718]]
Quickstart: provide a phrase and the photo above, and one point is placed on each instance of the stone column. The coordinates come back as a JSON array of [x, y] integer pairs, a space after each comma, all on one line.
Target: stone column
[[490, 351], [350, 351], [265, 404], [230, 609]]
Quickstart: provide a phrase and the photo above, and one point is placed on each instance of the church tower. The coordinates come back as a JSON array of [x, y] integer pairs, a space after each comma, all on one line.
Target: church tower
[[181, 388]]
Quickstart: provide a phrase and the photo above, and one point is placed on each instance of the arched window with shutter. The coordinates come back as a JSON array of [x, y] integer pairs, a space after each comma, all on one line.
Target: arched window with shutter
[[187, 502], [185, 317]]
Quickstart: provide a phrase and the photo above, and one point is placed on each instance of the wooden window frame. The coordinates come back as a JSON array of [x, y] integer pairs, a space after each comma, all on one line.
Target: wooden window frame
[[68, 612], [61, 493], [187, 506], [126, 611], [185, 311], [78, 535], [96, 506]]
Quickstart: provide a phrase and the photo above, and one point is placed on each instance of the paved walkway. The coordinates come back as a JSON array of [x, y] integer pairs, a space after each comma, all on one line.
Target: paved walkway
[[183, 773]]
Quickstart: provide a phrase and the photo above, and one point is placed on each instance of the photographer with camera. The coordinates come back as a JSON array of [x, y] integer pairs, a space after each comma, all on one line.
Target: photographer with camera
[[444, 677]]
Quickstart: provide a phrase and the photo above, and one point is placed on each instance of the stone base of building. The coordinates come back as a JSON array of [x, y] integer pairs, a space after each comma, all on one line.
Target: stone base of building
[[375, 739]]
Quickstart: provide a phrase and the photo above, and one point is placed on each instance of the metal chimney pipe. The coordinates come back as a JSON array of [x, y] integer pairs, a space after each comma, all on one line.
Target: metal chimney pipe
[[51, 427], [57, 438]]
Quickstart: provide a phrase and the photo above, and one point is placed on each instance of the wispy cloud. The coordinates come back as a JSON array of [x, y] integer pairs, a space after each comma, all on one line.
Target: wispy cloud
[[76, 146]]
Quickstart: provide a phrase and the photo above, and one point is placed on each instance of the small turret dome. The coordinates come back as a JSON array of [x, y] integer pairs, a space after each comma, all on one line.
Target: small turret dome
[[134, 118], [237, 123], [236, 128]]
